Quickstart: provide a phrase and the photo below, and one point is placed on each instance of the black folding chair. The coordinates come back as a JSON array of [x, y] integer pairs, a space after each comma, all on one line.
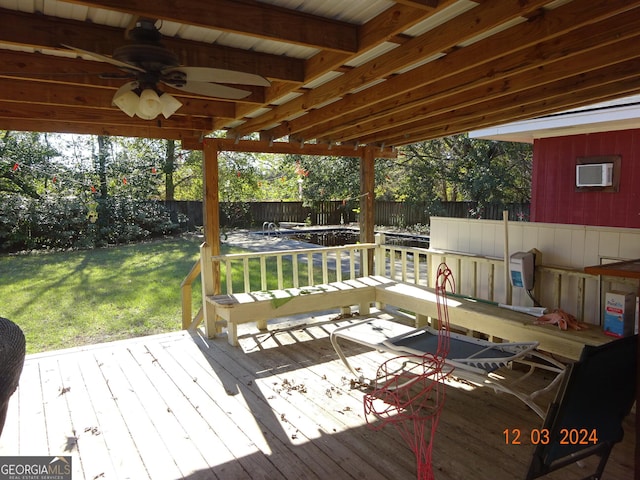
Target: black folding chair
[[586, 416]]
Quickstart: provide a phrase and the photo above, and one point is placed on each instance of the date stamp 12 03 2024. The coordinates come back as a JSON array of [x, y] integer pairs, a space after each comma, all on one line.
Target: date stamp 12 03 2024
[[542, 436]]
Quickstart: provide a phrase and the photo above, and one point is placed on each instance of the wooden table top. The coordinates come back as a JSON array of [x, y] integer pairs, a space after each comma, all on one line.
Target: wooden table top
[[626, 269]]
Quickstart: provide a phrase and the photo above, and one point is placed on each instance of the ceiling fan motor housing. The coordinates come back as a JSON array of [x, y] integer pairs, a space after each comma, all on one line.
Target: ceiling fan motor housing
[[152, 58]]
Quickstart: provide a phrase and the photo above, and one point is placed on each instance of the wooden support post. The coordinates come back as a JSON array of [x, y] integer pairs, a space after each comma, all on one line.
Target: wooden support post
[[210, 271], [367, 201], [508, 291]]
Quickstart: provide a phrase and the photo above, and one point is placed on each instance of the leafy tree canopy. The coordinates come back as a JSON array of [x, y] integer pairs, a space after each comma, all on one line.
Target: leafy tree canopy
[[461, 168], [25, 163]]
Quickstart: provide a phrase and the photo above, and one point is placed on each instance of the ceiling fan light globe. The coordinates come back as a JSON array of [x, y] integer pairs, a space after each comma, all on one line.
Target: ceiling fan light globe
[[127, 102], [170, 104], [149, 106]]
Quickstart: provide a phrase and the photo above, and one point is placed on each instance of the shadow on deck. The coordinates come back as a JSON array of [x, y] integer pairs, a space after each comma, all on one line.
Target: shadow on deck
[[278, 407]]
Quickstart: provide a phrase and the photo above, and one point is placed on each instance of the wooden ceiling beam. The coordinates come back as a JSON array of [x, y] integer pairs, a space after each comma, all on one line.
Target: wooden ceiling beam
[[553, 59], [535, 103], [480, 56], [22, 111], [247, 17], [440, 115], [425, 4], [58, 126], [316, 149], [45, 32], [384, 27], [464, 27], [532, 67], [75, 71], [19, 90], [472, 123]]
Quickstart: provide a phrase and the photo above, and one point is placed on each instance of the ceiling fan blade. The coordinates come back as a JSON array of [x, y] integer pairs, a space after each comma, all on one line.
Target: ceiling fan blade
[[219, 75], [213, 90], [104, 58]]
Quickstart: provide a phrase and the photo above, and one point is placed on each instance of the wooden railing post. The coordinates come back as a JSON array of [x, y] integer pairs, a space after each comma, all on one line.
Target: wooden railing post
[[208, 288], [186, 290], [378, 264]]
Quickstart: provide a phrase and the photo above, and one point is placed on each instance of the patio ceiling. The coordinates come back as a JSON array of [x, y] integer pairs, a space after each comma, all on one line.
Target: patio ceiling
[[367, 72]]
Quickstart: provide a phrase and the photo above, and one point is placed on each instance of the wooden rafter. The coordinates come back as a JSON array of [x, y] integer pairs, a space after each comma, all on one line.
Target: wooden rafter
[[471, 23], [417, 69], [511, 74], [382, 28], [43, 93], [98, 116], [427, 4], [83, 128], [249, 17], [48, 32], [499, 56], [317, 149], [586, 89]]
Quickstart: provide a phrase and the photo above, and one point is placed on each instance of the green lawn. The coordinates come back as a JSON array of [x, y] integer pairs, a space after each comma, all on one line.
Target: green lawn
[[68, 299], [76, 298]]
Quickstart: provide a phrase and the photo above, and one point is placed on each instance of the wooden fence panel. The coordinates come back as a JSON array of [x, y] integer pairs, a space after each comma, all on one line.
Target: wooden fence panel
[[336, 212]]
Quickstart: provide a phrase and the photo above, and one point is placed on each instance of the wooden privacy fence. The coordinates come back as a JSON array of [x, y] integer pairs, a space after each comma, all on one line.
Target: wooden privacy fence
[[336, 212]]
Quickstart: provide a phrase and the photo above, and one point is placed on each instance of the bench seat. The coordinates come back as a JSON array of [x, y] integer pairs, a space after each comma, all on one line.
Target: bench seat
[[488, 318], [465, 313], [261, 306]]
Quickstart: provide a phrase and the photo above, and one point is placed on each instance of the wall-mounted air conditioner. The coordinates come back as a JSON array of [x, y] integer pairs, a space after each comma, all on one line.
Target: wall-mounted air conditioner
[[594, 175]]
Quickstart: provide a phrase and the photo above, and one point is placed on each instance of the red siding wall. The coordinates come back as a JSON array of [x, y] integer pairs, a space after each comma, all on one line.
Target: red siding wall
[[554, 197]]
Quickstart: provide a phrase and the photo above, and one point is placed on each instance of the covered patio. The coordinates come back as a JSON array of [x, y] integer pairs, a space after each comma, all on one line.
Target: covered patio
[[358, 78]]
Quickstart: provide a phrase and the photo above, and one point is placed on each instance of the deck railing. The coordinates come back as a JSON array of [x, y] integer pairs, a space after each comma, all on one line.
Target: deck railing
[[475, 276], [406, 264], [186, 291], [246, 272]]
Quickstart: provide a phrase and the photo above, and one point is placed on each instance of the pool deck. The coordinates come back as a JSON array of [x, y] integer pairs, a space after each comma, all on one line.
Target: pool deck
[[260, 240]]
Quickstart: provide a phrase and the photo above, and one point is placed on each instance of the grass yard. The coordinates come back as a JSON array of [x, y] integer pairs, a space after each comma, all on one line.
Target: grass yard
[[69, 299]]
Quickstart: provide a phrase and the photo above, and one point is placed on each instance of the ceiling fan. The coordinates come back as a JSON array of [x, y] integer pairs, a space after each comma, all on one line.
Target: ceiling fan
[[149, 63]]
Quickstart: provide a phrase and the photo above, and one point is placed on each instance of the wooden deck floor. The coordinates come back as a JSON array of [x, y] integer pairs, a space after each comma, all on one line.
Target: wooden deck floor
[[279, 407]]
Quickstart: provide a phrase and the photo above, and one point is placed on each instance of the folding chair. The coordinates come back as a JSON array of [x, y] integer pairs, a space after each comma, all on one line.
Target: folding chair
[[474, 360], [585, 419]]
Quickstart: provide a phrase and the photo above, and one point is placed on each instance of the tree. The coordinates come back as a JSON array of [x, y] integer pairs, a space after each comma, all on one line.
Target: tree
[[328, 178], [187, 177], [100, 165], [136, 168], [25, 163], [169, 169], [335, 178], [461, 168], [490, 171]]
